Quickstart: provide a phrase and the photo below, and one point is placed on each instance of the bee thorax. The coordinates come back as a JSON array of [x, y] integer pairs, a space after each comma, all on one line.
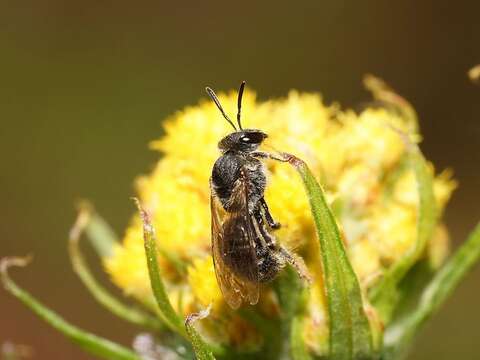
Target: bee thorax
[[227, 172]]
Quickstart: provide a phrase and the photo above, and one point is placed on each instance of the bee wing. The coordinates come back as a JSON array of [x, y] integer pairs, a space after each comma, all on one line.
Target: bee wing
[[233, 249]]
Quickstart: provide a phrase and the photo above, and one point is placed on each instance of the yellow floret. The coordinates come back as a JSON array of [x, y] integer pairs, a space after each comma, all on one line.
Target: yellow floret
[[201, 278]]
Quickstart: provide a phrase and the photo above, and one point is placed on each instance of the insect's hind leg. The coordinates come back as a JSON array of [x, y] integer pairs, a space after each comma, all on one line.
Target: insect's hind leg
[[268, 216], [297, 263], [269, 239]]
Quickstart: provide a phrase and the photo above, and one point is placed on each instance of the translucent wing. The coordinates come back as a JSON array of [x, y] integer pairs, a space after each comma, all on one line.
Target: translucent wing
[[233, 248]]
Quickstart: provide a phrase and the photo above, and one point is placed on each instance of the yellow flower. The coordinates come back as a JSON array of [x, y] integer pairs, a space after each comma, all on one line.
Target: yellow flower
[[201, 279], [355, 156]]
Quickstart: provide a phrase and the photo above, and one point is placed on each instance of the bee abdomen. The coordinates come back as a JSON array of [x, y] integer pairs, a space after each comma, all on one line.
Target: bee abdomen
[[269, 264]]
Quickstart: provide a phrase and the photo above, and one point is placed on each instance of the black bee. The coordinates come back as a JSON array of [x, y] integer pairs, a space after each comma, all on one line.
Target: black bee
[[245, 254]]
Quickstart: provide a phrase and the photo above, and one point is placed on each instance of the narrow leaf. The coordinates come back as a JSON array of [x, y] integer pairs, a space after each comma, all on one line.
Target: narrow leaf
[[292, 296], [385, 94], [167, 312], [385, 294], [297, 344], [91, 343], [350, 334], [269, 329], [202, 350], [289, 291], [101, 235], [400, 336], [128, 313]]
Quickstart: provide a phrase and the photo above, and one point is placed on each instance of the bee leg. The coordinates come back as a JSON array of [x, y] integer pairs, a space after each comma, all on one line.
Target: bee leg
[[266, 155], [269, 239], [297, 263], [272, 223]]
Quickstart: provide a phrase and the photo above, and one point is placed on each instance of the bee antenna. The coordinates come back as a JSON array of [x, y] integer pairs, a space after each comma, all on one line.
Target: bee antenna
[[240, 95], [211, 93]]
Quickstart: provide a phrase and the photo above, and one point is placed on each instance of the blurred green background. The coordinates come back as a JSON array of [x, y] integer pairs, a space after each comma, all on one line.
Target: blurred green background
[[84, 87]]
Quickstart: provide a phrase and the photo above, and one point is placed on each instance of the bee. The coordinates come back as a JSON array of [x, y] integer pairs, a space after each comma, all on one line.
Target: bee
[[245, 253]]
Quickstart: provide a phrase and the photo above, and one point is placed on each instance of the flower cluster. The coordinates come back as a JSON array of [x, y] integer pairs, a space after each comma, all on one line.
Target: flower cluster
[[358, 157], [357, 201]]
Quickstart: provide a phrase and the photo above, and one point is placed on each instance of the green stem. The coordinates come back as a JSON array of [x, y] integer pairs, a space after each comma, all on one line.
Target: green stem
[[91, 343], [132, 315]]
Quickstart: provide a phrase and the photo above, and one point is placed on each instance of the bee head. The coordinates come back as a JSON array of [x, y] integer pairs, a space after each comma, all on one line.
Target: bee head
[[247, 140]]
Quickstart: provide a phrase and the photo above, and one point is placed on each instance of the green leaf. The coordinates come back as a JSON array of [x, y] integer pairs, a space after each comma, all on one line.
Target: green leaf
[[383, 93], [350, 333], [128, 313], [399, 337], [269, 328], [91, 343], [297, 345], [411, 287], [179, 265], [292, 296], [289, 291], [167, 312], [202, 350], [101, 235], [385, 294]]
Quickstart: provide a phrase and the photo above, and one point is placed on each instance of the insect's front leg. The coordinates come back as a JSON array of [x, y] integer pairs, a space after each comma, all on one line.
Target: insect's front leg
[[266, 155], [268, 216]]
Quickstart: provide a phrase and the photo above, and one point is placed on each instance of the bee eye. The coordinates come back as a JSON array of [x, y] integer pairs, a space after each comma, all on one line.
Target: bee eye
[[245, 139]]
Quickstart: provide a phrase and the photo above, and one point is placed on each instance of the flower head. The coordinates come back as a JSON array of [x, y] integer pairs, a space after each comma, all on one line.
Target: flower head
[[358, 158]]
